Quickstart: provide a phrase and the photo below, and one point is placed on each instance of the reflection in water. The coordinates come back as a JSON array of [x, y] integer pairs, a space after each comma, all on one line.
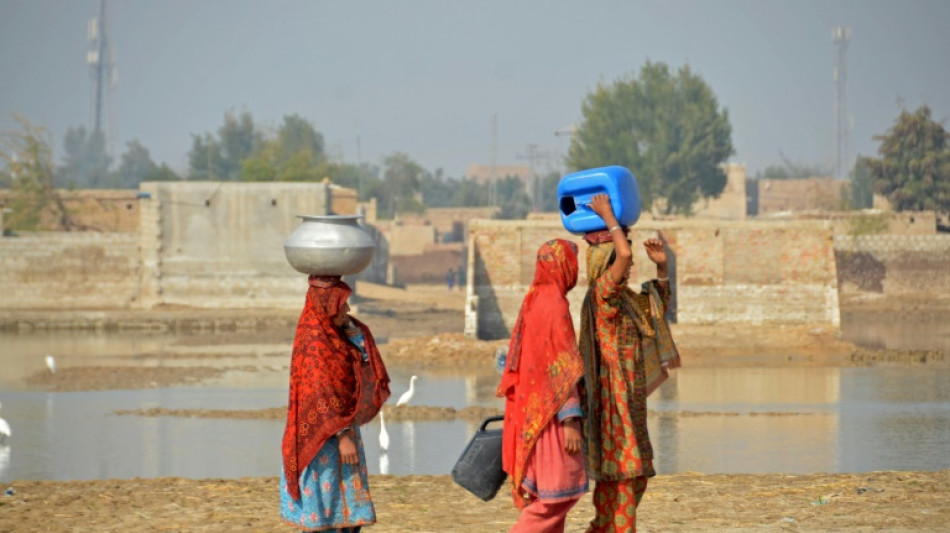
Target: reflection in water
[[384, 463], [4, 461], [902, 331], [715, 420]]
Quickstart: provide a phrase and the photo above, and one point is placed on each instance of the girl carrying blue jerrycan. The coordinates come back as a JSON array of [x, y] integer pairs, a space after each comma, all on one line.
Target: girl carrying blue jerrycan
[[575, 191]]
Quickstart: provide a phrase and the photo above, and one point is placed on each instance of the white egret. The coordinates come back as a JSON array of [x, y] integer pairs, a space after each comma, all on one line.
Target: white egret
[[406, 396], [383, 434], [4, 432], [50, 364]]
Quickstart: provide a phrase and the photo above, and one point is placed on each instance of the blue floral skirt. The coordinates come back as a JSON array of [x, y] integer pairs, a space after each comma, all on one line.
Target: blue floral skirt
[[333, 495]]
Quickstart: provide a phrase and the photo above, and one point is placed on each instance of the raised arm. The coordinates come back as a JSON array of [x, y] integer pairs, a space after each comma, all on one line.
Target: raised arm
[[600, 204]]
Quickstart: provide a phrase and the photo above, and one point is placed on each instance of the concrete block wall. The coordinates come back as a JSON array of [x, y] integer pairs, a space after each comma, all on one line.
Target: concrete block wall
[[69, 270], [723, 271], [220, 244]]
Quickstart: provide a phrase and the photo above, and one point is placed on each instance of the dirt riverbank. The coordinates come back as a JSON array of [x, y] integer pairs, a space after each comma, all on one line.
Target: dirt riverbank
[[878, 501]]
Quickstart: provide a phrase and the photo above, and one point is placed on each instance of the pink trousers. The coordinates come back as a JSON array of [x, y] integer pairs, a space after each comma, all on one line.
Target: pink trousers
[[543, 517]]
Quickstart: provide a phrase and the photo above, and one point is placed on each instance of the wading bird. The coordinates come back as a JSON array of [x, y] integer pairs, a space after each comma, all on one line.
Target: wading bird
[[406, 396]]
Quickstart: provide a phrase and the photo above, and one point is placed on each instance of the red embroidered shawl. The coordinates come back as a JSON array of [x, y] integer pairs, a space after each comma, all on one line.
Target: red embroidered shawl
[[543, 365], [325, 384]]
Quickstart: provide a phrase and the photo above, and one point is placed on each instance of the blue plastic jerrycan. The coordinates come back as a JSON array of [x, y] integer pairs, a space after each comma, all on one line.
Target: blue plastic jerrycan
[[575, 191]]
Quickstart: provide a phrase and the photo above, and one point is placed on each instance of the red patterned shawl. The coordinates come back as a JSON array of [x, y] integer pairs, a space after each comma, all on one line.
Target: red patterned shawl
[[325, 384], [543, 365]]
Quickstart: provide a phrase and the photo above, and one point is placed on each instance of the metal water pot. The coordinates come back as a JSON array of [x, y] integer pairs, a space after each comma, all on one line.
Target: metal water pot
[[329, 245]]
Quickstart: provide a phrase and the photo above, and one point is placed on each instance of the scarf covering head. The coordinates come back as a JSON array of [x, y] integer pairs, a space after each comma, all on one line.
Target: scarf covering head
[[657, 350], [543, 365], [327, 379]]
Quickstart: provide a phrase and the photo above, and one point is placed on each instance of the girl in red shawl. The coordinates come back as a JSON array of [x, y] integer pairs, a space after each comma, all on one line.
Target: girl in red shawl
[[337, 382], [541, 440]]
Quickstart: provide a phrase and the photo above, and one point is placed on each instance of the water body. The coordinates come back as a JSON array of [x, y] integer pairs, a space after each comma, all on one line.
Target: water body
[[711, 420]]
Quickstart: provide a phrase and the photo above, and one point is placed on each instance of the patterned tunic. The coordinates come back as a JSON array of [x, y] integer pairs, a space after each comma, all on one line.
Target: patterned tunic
[[334, 495], [626, 451]]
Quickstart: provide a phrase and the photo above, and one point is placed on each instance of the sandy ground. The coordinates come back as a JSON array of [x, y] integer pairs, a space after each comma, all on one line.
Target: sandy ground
[[420, 329], [879, 501]]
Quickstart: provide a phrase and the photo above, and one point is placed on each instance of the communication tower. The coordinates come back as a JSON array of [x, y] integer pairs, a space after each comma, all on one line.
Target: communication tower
[[841, 37], [102, 71]]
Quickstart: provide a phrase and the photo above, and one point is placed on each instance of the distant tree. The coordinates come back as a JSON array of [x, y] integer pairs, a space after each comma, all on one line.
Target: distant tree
[[913, 170], [162, 173], [400, 189], [665, 127], [297, 134], [437, 190], [239, 140], [514, 201], [30, 173], [548, 188], [204, 159], [470, 193], [294, 154], [134, 166], [361, 178], [222, 158], [85, 161], [862, 193], [791, 170]]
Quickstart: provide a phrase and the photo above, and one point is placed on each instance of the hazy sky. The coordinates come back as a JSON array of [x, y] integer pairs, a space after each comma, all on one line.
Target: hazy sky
[[424, 77]]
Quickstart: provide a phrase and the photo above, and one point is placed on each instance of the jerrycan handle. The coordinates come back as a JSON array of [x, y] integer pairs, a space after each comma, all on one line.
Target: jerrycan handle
[[570, 204], [581, 202], [489, 420]]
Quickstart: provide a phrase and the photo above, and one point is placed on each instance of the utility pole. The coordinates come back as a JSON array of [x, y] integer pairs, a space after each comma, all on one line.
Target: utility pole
[[534, 155], [841, 37], [570, 130], [492, 185]]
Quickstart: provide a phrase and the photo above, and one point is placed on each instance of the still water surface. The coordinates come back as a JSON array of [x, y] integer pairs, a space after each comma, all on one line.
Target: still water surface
[[797, 420], [712, 420]]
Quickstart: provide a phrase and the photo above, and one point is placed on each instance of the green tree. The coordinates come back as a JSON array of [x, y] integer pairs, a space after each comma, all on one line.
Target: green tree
[[85, 161], [297, 134], [862, 193], [222, 158], [913, 170], [791, 170], [162, 173], [135, 165], [239, 139], [30, 173], [400, 189], [548, 188], [437, 190], [294, 154], [362, 178], [665, 127], [204, 159], [470, 193], [515, 203]]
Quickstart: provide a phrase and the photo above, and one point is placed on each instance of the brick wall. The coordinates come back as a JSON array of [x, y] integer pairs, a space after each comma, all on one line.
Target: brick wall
[[895, 265], [727, 271]]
